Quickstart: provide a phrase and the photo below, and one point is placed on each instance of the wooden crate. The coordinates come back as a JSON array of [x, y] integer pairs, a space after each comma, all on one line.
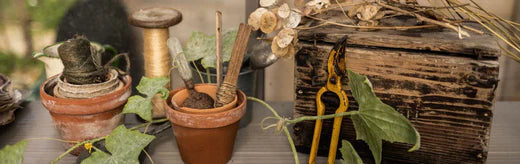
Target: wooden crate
[[444, 85]]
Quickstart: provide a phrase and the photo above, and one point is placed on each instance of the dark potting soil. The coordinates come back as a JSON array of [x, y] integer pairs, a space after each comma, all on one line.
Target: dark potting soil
[[79, 65], [198, 100]]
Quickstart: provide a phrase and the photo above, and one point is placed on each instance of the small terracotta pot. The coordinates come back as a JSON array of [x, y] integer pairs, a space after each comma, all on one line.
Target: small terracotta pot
[[206, 137], [84, 119]]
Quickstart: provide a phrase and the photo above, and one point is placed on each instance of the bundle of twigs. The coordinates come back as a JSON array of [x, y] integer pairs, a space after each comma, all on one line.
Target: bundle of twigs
[[450, 14]]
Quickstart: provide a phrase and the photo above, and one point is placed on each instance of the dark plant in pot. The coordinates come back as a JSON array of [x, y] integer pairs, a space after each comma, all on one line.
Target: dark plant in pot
[[87, 99]]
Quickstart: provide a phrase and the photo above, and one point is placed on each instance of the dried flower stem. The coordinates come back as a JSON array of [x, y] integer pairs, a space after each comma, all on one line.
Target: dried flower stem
[[425, 19]]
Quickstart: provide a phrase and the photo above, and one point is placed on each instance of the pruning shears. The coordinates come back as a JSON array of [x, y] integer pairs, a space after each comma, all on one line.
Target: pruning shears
[[336, 68]]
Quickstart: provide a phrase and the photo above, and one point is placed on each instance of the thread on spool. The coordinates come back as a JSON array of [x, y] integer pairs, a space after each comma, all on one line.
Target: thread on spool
[[156, 56]]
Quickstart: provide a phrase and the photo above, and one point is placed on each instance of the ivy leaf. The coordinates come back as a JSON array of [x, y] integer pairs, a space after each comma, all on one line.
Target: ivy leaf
[[140, 106], [377, 121], [199, 46], [13, 154], [151, 86], [349, 154], [143, 106], [124, 145], [203, 46]]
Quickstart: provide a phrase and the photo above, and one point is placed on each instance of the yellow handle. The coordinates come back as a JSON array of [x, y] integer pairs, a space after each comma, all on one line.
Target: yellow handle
[[317, 126], [336, 128]]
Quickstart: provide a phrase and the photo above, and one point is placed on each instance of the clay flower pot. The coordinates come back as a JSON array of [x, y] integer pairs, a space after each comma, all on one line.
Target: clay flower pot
[[88, 118], [207, 136]]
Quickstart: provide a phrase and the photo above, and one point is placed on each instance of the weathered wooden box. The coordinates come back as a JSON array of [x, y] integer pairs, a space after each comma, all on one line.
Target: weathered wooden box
[[444, 85]]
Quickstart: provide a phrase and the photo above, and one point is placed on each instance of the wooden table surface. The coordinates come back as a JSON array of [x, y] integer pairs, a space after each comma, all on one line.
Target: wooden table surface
[[252, 144]]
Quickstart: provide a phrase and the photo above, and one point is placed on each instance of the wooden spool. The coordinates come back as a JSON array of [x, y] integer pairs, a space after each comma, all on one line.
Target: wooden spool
[[155, 23]]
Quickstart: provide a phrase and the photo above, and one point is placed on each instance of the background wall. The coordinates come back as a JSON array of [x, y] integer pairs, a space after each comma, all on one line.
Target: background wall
[[198, 15]]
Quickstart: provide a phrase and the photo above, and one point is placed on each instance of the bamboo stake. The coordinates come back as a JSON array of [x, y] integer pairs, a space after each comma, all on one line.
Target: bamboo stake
[[227, 91], [218, 33]]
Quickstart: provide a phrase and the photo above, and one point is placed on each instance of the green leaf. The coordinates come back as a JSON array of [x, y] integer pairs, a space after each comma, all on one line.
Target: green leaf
[[152, 86], [377, 121], [140, 106], [124, 145], [13, 154], [199, 46], [203, 46], [143, 106], [349, 154]]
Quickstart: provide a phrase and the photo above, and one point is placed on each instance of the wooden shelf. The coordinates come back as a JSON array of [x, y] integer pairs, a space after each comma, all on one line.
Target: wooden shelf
[[253, 145]]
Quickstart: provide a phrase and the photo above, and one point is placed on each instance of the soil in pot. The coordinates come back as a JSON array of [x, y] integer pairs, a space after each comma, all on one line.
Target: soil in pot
[[206, 137], [246, 83]]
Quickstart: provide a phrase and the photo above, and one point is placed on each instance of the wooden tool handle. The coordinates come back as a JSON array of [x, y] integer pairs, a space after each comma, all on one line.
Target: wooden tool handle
[[227, 91]]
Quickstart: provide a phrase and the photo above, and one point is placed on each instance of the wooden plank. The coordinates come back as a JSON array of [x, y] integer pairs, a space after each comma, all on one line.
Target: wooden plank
[[448, 97]]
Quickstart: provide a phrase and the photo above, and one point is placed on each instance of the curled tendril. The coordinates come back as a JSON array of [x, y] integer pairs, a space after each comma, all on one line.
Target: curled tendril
[[164, 93], [280, 123]]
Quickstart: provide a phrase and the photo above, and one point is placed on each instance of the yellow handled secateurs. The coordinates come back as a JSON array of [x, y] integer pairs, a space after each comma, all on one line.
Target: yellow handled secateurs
[[336, 69]]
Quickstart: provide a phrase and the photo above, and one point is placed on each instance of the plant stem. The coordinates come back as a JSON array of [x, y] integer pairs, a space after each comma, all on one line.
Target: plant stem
[[52, 139], [329, 116], [208, 75], [198, 71], [265, 104], [296, 120], [76, 146], [291, 142], [149, 157], [153, 122]]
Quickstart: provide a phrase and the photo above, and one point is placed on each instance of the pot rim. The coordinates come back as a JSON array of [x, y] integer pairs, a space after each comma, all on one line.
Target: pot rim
[[85, 106], [210, 110], [206, 120]]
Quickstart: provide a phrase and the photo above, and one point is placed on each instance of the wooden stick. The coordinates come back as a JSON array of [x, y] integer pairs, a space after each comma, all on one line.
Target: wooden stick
[[227, 90], [218, 33]]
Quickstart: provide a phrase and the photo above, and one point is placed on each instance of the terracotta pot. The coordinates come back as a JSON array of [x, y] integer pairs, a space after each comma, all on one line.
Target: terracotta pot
[[206, 137], [84, 119]]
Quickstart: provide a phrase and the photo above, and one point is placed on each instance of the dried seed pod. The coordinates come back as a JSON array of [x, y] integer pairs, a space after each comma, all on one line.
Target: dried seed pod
[[295, 40], [284, 11], [299, 3], [291, 50], [268, 22], [268, 3], [367, 12], [354, 10], [285, 37], [318, 4], [255, 16], [293, 20], [278, 51], [279, 25]]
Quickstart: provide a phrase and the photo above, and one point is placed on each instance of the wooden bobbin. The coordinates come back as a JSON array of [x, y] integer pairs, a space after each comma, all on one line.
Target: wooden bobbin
[[157, 63]]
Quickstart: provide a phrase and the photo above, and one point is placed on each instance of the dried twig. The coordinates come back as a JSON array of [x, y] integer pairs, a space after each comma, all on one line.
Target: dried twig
[[425, 19]]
